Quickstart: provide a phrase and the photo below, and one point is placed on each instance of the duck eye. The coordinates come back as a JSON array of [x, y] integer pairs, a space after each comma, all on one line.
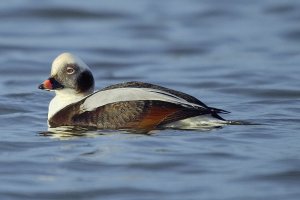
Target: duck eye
[[70, 70]]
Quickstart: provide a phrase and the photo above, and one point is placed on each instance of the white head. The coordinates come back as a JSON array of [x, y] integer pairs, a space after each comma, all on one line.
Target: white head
[[69, 75], [71, 79]]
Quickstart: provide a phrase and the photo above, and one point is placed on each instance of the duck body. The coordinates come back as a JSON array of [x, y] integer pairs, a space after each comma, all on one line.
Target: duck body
[[131, 105]]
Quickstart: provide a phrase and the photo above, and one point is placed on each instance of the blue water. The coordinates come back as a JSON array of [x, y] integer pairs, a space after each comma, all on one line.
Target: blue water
[[241, 56]]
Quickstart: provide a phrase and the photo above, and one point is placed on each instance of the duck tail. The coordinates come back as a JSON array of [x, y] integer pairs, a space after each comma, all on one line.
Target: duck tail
[[216, 111]]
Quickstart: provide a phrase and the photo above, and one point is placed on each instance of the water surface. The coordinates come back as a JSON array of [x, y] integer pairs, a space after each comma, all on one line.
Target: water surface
[[241, 56]]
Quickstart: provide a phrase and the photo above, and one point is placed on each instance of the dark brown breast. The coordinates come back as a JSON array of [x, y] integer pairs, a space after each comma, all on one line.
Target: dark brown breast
[[137, 115]]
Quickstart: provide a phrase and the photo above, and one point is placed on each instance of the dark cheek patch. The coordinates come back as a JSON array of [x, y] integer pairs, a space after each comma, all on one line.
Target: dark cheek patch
[[85, 81]]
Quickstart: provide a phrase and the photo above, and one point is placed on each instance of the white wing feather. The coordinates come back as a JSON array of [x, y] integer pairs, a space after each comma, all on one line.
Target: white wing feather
[[101, 98]]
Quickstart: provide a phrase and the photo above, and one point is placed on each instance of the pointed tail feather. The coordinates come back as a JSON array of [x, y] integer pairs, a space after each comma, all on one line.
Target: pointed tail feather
[[216, 111]]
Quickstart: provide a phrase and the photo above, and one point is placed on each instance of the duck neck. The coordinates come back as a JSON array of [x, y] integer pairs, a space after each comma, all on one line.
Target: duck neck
[[64, 98]]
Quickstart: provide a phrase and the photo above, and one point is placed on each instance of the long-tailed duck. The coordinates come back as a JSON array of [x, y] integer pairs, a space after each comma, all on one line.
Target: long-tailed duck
[[131, 106]]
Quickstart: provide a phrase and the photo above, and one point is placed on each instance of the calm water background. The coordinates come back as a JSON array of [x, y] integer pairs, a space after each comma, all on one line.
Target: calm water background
[[242, 56]]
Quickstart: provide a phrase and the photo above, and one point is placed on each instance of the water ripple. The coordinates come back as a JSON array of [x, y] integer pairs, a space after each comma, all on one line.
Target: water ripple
[[237, 55]]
